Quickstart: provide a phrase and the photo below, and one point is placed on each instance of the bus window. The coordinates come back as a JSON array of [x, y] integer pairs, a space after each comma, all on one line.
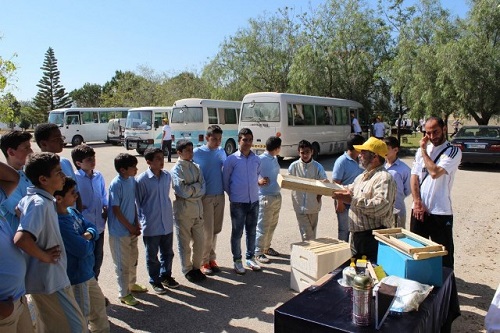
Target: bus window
[[230, 116], [212, 116], [320, 115], [308, 112], [105, 116], [73, 119]]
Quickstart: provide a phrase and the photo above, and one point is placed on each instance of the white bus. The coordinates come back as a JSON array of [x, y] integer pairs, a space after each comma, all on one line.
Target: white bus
[[323, 121], [80, 125], [143, 128], [192, 116]]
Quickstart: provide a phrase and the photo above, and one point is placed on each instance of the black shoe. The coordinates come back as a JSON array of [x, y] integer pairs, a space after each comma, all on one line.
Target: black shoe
[[170, 282], [158, 288], [200, 275], [192, 276]]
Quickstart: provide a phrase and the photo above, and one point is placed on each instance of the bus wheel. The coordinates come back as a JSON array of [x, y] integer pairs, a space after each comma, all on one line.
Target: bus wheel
[[316, 150], [230, 147], [77, 140]]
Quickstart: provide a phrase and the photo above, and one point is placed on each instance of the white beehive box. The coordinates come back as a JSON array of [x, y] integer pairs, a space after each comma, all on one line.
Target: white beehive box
[[315, 258]]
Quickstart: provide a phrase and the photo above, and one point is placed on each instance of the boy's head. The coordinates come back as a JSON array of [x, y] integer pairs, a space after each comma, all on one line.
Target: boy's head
[[44, 171], [154, 158], [305, 151], [48, 137], [83, 157], [393, 147], [213, 136], [66, 197], [126, 165], [354, 139], [184, 149], [245, 139], [16, 146], [273, 143]]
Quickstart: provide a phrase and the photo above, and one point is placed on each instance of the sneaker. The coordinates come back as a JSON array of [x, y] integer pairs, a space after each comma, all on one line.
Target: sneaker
[[262, 258], [272, 252], [206, 269], [138, 288], [252, 264], [200, 275], [213, 265], [170, 282], [158, 288], [195, 275], [129, 300], [238, 267]]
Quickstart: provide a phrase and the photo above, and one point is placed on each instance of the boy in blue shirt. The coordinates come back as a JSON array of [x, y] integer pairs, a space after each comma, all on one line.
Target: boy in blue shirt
[[16, 146], [79, 236], [189, 187], [269, 200], [156, 217], [124, 228], [39, 236], [210, 157], [92, 191], [14, 311], [307, 205]]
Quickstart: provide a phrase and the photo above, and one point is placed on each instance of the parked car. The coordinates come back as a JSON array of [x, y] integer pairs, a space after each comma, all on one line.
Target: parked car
[[479, 144], [116, 127]]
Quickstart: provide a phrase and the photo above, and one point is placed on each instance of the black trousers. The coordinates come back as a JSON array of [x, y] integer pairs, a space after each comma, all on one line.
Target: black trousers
[[166, 146], [439, 228], [364, 243]]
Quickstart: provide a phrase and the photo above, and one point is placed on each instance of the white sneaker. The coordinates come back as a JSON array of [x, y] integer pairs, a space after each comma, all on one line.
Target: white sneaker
[[262, 258], [253, 265], [238, 267]]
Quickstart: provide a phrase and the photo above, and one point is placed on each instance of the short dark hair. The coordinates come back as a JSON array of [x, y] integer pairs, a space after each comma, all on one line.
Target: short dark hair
[[149, 153], [304, 144], [13, 139], [272, 143], [392, 141], [439, 120], [40, 164], [125, 161], [354, 139], [181, 144], [244, 131], [43, 132], [81, 152], [68, 184], [214, 129]]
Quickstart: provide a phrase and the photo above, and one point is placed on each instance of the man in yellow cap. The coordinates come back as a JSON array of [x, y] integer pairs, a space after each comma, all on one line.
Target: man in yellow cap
[[371, 196]]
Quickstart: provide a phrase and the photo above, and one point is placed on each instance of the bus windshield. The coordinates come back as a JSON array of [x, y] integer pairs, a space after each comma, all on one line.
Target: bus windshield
[[187, 115], [260, 111], [56, 118], [139, 120]]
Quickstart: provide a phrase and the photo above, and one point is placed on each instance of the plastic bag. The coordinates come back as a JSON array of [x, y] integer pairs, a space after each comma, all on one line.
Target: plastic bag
[[409, 294], [492, 319]]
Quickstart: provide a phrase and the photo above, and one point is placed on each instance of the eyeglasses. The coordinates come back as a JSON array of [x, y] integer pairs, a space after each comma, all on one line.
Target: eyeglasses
[[247, 140]]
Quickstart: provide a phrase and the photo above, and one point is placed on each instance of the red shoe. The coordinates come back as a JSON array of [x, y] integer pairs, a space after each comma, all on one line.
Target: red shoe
[[213, 265], [206, 269]]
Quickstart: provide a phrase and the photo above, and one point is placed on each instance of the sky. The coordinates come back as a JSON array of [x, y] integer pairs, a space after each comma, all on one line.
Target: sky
[[94, 38]]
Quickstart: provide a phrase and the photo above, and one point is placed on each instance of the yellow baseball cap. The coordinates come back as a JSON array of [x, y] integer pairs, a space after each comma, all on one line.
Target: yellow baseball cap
[[374, 145]]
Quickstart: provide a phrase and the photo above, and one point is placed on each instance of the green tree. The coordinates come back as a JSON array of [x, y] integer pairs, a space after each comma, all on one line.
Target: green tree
[[30, 116], [10, 109], [184, 85], [87, 96], [128, 89], [256, 58], [7, 69], [51, 94]]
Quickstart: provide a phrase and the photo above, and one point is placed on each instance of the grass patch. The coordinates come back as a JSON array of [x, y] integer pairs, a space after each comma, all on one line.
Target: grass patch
[[412, 140]]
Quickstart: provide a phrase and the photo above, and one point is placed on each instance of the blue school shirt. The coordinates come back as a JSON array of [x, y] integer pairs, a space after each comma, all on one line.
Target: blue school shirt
[[80, 251], [122, 194], [345, 169], [154, 204], [210, 162], [401, 174], [39, 218], [240, 176], [92, 191], [269, 167], [12, 262], [8, 207]]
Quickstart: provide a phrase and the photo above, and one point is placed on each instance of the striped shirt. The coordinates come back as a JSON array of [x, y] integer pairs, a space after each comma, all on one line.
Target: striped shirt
[[374, 193]]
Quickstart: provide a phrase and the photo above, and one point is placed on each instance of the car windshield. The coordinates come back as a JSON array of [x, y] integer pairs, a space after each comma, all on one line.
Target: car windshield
[[259, 111], [481, 132], [187, 114], [139, 120], [56, 118]]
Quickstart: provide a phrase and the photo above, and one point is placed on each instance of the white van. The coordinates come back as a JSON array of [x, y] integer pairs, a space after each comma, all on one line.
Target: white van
[[116, 127]]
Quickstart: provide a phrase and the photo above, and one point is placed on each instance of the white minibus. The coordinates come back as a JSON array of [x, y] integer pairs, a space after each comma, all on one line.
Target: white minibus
[[323, 121], [80, 125], [192, 116]]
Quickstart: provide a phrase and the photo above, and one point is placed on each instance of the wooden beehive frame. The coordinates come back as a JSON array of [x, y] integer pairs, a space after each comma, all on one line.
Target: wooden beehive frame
[[308, 185], [392, 237]]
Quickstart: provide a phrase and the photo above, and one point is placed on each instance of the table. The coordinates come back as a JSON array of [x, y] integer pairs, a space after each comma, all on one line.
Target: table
[[328, 309]]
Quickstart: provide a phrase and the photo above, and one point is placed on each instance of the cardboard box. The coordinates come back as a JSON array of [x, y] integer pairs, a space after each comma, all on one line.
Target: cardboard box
[[300, 281], [317, 257], [427, 271]]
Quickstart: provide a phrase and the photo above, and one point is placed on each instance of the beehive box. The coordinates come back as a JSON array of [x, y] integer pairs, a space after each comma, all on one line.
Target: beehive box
[[308, 185], [311, 260]]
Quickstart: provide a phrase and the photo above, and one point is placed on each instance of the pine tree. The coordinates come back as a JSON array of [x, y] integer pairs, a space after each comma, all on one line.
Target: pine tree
[[51, 94]]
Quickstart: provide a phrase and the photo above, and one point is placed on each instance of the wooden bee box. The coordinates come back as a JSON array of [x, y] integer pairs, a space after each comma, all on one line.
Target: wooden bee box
[[308, 185]]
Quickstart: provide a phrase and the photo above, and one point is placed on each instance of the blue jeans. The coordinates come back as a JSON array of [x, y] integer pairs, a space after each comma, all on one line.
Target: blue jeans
[[98, 255], [243, 216], [159, 270], [343, 220]]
